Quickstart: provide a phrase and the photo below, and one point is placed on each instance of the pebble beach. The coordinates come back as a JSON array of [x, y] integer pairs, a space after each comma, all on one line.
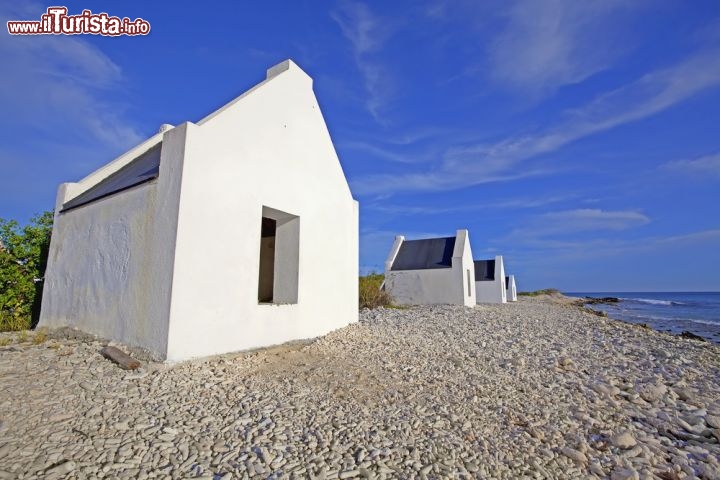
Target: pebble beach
[[541, 388]]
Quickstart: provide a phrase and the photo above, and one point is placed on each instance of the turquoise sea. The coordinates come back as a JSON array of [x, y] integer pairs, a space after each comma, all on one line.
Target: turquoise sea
[[675, 312]]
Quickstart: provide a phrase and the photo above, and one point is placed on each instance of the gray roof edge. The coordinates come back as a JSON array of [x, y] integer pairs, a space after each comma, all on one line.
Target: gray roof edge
[[141, 169], [119, 162]]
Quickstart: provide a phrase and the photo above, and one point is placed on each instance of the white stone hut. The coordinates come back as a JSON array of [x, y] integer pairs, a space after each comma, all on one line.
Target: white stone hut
[[510, 288], [431, 271], [235, 232], [490, 281]]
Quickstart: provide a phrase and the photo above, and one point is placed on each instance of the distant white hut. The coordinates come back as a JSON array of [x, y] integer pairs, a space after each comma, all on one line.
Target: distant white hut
[[431, 271], [511, 288], [490, 281], [232, 233]]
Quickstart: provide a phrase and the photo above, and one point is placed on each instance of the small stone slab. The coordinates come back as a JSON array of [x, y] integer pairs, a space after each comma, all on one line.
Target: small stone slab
[[125, 361]]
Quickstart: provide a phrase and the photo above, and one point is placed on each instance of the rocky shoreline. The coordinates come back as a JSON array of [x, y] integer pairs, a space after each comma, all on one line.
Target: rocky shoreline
[[535, 389], [587, 303]]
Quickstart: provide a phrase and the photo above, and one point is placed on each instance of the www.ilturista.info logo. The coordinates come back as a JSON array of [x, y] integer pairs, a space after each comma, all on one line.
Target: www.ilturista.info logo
[[57, 22]]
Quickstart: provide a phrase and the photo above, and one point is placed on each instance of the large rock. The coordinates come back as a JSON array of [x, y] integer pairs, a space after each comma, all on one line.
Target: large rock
[[575, 455], [713, 421], [652, 393], [595, 301], [61, 468], [623, 440]]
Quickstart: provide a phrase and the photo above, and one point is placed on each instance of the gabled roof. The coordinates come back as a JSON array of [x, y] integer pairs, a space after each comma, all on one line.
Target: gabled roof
[[425, 254], [484, 270], [140, 170]]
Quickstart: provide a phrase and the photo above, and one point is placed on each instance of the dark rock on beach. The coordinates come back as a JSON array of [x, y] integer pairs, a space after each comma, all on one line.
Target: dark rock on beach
[[595, 301], [692, 336]]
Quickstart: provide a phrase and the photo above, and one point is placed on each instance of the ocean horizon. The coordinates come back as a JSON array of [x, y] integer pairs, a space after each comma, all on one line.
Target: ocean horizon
[[673, 312]]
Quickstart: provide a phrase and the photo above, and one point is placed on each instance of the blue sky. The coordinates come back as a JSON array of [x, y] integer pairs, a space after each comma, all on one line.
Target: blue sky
[[581, 140]]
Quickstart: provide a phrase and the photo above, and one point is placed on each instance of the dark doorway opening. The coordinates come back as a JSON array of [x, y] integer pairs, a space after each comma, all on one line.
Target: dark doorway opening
[[267, 260]]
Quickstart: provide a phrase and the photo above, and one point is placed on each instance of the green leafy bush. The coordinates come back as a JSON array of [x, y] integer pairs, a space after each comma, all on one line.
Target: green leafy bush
[[371, 295], [547, 291], [23, 258]]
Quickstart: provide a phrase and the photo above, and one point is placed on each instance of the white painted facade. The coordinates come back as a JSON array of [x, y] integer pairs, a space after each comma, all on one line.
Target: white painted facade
[[453, 285], [511, 289], [174, 264], [493, 291]]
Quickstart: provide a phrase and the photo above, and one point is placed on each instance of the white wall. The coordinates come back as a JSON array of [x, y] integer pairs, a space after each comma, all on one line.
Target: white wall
[[173, 265], [269, 148], [511, 289], [110, 261], [463, 265], [493, 291], [434, 286]]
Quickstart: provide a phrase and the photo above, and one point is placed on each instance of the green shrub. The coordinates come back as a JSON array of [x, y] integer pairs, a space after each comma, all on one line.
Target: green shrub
[[371, 295], [23, 258], [546, 291]]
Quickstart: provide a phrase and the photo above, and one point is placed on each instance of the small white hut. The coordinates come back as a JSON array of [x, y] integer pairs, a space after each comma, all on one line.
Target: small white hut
[[511, 288], [431, 271], [235, 232], [490, 281]]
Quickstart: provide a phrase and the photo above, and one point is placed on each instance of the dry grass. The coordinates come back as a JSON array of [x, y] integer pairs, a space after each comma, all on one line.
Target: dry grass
[[371, 295], [40, 337], [23, 336]]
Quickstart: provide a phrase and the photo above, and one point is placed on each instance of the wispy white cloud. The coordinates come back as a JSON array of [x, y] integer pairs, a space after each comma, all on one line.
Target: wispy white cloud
[[436, 181], [363, 29], [534, 47], [515, 203], [548, 44], [373, 150], [366, 33], [532, 251], [708, 165], [411, 146], [418, 135], [62, 84], [468, 165], [693, 237], [651, 94], [437, 9], [588, 219], [567, 264], [529, 202], [569, 222]]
